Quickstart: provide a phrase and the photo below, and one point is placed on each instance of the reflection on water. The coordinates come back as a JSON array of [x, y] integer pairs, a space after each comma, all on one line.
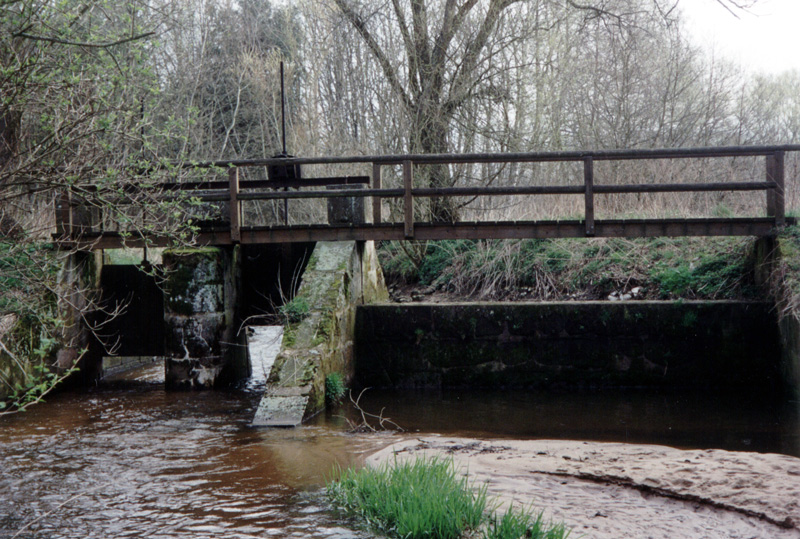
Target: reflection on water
[[131, 460], [685, 420], [136, 461]]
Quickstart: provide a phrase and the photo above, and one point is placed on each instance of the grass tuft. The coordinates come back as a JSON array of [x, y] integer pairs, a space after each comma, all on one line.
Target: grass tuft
[[428, 498], [335, 388], [518, 524]]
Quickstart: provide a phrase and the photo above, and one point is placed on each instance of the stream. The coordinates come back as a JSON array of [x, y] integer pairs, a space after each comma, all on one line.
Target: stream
[[128, 459]]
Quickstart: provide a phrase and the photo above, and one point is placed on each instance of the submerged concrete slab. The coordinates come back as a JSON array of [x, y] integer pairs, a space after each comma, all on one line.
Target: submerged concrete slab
[[280, 410]]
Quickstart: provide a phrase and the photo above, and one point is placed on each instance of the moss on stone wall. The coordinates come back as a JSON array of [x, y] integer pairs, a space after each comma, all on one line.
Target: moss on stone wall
[[778, 267], [320, 342], [721, 345]]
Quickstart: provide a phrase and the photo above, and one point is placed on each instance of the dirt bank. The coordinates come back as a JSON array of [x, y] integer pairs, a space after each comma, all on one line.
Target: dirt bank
[[608, 490]]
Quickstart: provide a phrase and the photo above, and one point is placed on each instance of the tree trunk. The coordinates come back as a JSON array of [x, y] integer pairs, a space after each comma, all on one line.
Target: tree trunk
[[9, 136], [431, 132]]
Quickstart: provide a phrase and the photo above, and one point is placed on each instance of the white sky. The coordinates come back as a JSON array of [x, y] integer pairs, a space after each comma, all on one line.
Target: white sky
[[766, 38]]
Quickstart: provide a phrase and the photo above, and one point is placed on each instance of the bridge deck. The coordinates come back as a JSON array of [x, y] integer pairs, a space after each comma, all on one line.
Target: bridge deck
[[613, 228], [233, 192]]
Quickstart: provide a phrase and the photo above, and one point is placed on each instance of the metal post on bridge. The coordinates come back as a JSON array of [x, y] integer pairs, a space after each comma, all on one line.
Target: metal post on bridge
[[345, 210]]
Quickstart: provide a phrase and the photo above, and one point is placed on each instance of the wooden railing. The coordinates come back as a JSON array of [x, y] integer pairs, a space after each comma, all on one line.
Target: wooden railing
[[236, 191]]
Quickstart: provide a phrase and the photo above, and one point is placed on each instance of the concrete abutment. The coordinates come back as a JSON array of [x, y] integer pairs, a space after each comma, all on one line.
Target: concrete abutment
[[201, 291], [695, 345], [335, 330]]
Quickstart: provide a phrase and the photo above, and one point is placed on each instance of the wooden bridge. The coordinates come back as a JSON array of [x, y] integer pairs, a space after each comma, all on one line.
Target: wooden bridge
[[284, 174]]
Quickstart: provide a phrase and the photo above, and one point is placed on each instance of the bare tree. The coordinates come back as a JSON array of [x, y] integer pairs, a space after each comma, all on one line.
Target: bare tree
[[77, 125]]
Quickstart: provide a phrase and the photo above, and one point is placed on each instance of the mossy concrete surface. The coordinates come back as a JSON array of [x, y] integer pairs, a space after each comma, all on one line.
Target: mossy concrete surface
[[12, 370], [692, 344], [339, 276], [79, 281], [200, 296], [778, 268]]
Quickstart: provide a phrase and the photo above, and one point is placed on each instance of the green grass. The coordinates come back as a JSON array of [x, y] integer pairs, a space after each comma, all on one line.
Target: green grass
[[516, 524], [295, 310], [428, 498], [335, 388], [666, 268]]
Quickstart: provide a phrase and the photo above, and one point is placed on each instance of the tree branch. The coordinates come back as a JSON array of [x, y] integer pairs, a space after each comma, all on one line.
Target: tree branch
[[82, 43], [474, 48], [380, 56], [409, 45]]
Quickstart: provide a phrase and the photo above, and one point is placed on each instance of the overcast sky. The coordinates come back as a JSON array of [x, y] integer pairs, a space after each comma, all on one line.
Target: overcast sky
[[767, 38]]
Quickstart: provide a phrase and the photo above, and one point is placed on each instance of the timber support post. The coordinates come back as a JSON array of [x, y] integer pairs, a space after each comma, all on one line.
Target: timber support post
[[588, 179], [408, 198]]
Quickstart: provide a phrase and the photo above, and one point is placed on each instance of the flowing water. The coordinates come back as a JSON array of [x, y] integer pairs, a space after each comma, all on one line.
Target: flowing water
[[128, 459]]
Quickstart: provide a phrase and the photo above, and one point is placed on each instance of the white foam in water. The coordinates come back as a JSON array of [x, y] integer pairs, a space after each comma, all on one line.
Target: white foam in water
[[263, 343]]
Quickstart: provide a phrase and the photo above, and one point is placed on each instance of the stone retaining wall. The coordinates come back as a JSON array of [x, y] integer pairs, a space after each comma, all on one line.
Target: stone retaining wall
[[202, 342], [720, 345]]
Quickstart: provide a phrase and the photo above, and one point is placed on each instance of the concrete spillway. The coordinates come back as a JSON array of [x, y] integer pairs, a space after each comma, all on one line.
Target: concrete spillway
[[263, 345], [275, 410]]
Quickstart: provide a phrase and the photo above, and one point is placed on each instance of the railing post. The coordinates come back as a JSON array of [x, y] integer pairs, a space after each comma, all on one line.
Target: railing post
[[780, 198], [588, 179], [235, 209], [376, 201], [770, 165], [408, 199]]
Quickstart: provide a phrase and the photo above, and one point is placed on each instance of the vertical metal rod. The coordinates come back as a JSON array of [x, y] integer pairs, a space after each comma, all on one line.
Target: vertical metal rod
[[588, 179], [283, 113], [408, 199], [771, 199], [376, 201], [235, 211], [780, 198], [63, 214]]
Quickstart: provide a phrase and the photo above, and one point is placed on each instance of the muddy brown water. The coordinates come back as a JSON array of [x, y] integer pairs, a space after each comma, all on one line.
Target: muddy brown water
[[128, 459]]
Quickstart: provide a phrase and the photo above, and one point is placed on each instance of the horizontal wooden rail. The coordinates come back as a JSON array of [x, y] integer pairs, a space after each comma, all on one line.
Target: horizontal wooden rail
[[515, 157], [71, 224], [495, 191]]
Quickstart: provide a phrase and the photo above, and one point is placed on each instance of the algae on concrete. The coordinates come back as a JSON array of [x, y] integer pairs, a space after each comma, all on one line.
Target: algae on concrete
[[778, 268], [201, 292], [339, 276]]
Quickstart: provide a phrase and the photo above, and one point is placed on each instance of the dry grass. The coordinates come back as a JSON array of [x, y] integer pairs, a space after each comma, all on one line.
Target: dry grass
[[660, 268]]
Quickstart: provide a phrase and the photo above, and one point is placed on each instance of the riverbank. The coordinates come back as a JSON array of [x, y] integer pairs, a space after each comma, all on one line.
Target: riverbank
[[613, 491], [616, 269]]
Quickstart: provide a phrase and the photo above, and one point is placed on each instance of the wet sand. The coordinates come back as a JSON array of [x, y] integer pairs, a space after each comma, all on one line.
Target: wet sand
[[613, 491]]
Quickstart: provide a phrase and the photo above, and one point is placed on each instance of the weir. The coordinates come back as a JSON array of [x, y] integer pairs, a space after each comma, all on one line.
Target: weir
[[339, 322], [196, 303]]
